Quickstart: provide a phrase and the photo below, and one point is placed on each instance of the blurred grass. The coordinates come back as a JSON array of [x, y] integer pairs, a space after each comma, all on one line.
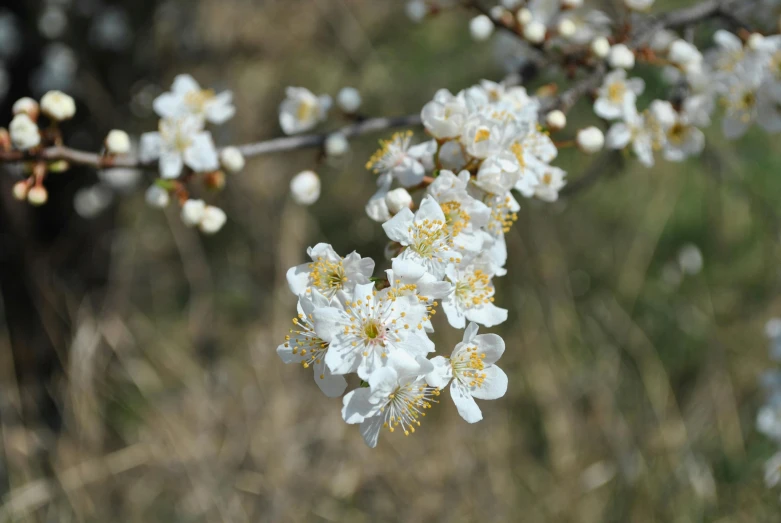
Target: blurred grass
[[632, 397]]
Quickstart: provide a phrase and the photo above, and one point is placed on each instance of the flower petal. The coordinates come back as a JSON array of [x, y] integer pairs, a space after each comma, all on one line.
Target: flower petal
[[466, 405]]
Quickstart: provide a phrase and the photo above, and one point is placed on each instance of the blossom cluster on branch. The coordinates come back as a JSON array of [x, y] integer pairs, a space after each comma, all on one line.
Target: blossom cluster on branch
[[446, 200]]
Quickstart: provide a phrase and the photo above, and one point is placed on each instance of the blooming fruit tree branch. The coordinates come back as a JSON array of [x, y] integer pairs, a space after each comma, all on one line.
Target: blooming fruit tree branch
[[445, 201]]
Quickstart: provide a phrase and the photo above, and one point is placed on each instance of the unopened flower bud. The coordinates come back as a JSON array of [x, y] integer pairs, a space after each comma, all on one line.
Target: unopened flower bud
[[416, 10], [571, 4], [567, 28], [556, 120], [58, 166], [305, 187], [232, 160], [192, 212], [498, 12], [534, 32], [600, 47], [621, 57], [349, 99], [639, 5], [683, 53], [27, 106], [212, 220], [20, 190], [37, 195], [24, 132], [398, 199], [157, 197], [58, 106], [336, 144], [481, 27], [5, 139], [590, 140], [755, 41], [524, 16], [117, 142], [214, 180]]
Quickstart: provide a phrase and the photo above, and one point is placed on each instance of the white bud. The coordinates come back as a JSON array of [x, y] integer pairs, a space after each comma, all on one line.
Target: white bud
[[621, 57], [556, 120], [336, 144], [600, 47], [24, 132], [37, 195], [231, 159], [690, 259], [20, 191], [683, 53], [157, 197], [26, 106], [639, 5], [349, 99], [661, 40], [497, 12], [212, 220], [58, 106], [567, 28], [571, 4], [755, 41], [398, 199], [416, 10], [305, 187], [192, 212], [117, 142], [773, 328], [524, 16], [590, 140], [481, 27], [534, 32]]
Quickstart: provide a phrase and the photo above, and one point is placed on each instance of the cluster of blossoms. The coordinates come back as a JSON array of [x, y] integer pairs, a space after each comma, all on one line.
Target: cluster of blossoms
[[769, 415], [445, 250], [184, 149]]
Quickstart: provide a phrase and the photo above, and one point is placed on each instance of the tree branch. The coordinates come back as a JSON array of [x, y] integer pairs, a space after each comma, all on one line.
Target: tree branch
[[283, 144]]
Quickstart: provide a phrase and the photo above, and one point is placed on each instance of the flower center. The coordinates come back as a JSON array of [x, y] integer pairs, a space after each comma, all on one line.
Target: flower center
[[327, 276], [306, 109], [475, 289], [197, 100], [372, 329], [468, 367], [456, 218], [406, 406], [616, 92], [305, 343], [482, 135]]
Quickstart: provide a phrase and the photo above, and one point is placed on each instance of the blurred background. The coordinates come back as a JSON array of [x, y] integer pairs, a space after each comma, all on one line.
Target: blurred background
[[137, 358]]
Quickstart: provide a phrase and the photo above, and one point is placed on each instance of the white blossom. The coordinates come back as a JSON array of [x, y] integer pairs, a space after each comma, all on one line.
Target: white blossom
[[556, 120], [212, 220], [615, 93], [192, 212], [329, 273], [179, 142], [396, 398], [336, 144], [186, 98], [304, 347], [472, 297], [371, 326], [471, 372], [302, 110], [26, 106], [425, 237], [534, 32], [600, 47]]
